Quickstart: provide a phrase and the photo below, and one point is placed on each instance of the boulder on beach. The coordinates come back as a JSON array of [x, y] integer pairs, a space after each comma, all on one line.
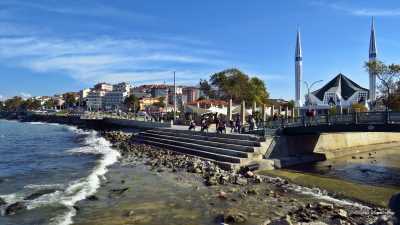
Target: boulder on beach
[[92, 198], [15, 208], [39, 193], [234, 216], [282, 221], [394, 203], [2, 202]]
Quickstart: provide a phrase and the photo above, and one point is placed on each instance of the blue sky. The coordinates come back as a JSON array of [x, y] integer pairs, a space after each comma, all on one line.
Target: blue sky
[[49, 46]]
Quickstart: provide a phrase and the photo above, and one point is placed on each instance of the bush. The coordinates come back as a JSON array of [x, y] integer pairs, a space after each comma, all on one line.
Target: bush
[[359, 108]]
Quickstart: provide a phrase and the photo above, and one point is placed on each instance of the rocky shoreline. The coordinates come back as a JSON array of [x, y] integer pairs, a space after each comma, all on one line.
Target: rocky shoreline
[[277, 194]]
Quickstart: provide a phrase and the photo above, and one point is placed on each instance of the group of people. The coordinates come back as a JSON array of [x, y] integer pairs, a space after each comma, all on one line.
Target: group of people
[[220, 124]]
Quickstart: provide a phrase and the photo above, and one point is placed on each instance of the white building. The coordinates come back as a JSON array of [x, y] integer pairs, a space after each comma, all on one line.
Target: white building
[[94, 100], [84, 93], [113, 100], [339, 92]]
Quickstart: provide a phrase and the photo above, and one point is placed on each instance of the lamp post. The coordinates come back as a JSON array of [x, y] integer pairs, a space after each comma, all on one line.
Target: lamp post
[[174, 98], [308, 91]]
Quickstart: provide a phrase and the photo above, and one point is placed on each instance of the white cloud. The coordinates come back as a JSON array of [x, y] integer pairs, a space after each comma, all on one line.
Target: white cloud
[[79, 9], [358, 11], [91, 60], [25, 95]]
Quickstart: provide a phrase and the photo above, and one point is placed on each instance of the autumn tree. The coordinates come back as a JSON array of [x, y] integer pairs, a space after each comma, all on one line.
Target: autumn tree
[[388, 76]]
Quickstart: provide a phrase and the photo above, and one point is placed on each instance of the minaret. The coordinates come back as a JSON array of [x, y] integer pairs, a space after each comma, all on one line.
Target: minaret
[[372, 57], [298, 70]]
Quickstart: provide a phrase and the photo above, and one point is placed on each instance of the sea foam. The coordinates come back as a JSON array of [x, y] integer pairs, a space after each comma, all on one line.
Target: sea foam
[[79, 189]]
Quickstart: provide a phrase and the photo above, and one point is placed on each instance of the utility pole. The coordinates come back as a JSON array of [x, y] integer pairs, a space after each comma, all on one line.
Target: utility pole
[[174, 97]]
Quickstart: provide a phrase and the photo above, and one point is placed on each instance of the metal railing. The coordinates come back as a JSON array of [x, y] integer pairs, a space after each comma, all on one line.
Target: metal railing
[[387, 117]]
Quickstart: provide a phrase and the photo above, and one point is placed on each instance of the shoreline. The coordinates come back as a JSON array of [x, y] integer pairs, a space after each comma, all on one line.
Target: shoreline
[[220, 185], [295, 204]]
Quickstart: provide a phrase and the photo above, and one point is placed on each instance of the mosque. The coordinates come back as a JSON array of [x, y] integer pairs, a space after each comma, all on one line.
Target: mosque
[[340, 92]]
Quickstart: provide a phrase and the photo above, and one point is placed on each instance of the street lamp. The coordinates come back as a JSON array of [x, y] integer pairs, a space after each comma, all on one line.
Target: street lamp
[[308, 91], [174, 98]]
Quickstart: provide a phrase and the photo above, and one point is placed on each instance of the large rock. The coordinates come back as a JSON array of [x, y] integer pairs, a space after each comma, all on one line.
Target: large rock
[[341, 213], [324, 205], [234, 216], [240, 181], [39, 193], [394, 203], [283, 221], [2, 202], [15, 208], [383, 220]]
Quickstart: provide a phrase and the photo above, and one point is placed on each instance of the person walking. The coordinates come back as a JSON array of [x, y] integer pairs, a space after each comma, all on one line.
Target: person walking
[[232, 125], [192, 125], [238, 125]]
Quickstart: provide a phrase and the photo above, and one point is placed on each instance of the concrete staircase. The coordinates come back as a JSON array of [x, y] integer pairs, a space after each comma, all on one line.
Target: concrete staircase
[[230, 151]]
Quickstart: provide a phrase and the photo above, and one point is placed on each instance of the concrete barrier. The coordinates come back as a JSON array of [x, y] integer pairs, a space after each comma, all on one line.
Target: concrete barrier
[[335, 145], [135, 123], [332, 145]]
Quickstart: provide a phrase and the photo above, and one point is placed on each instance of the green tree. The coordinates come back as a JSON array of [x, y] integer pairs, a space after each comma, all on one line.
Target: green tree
[[70, 100], [132, 103], [388, 76], [49, 104], [13, 104], [236, 85], [257, 91], [205, 87], [31, 104]]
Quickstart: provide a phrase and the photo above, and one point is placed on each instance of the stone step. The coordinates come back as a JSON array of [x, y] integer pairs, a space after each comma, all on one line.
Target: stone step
[[193, 139], [197, 147], [246, 137], [228, 139], [195, 152]]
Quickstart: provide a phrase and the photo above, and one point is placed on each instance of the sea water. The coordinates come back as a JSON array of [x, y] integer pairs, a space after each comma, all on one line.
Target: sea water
[[68, 162]]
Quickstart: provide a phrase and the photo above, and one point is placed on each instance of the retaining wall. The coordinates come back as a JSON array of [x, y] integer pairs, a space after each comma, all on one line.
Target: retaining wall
[[332, 145], [134, 123]]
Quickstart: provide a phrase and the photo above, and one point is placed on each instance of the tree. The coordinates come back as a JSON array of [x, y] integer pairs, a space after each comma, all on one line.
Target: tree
[[31, 104], [205, 87], [49, 104], [70, 100], [132, 103], [332, 110], [13, 104], [257, 92], [387, 76], [236, 85], [359, 107]]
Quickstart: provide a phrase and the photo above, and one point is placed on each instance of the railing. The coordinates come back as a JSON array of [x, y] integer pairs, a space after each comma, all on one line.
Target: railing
[[387, 117]]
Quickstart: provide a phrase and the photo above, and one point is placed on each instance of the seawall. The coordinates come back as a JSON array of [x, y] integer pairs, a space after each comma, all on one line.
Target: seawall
[[292, 150], [106, 123]]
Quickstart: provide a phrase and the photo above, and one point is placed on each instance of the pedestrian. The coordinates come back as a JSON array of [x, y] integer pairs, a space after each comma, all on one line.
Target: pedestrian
[[232, 125], [192, 125], [204, 125], [238, 125]]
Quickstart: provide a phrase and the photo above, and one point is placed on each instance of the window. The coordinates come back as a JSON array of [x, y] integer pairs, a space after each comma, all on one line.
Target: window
[[362, 97], [330, 98]]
